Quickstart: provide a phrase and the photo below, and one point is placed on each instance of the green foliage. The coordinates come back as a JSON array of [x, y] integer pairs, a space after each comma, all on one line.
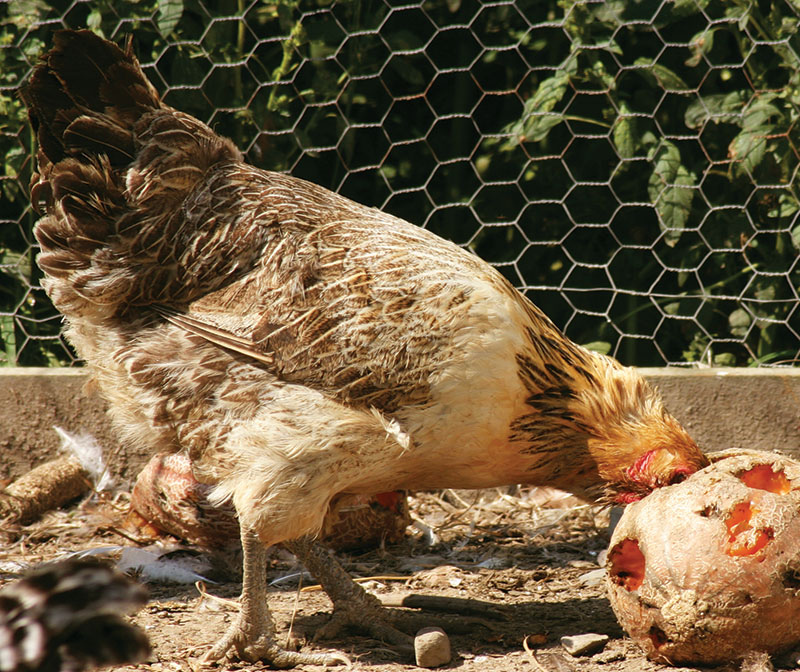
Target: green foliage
[[629, 164], [715, 120]]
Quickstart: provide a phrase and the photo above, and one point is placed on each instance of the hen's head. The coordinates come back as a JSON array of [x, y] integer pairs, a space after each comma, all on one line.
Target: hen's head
[[640, 446], [655, 459]]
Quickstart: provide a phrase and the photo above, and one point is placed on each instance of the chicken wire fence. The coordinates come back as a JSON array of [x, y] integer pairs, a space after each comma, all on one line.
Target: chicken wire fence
[[629, 165]]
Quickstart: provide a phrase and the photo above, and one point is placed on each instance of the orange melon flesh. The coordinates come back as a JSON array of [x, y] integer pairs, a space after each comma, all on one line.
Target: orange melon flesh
[[743, 538], [762, 477], [627, 564]]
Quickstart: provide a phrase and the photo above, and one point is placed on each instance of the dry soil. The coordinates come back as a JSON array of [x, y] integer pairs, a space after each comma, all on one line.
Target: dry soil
[[537, 563]]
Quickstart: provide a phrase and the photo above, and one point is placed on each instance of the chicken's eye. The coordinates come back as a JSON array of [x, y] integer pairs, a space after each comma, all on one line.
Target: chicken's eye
[[678, 477]]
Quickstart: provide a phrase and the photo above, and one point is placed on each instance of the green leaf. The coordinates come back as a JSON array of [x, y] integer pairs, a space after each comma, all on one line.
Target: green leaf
[[598, 346], [747, 149], [672, 12], [537, 119], [796, 236], [670, 189], [25, 13], [623, 132], [11, 264], [740, 11], [403, 40], [700, 44], [725, 359], [169, 13], [8, 340], [759, 110], [407, 71], [537, 127], [717, 107], [95, 22], [765, 291], [660, 75], [787, 206], [739, 321]]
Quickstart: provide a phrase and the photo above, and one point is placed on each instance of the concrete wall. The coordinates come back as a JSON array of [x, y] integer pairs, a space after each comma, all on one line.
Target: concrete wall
[[735, 408], [33, 401], [721, 408]]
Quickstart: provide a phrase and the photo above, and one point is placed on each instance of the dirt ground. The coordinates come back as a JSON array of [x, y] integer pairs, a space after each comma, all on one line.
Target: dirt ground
[[537, 563]]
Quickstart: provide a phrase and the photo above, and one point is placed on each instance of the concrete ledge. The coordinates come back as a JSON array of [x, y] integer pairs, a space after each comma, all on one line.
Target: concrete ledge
[[734, 408], [34, 400], [721, 408]]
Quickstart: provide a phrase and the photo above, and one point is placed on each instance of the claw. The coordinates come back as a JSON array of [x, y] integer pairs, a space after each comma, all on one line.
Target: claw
[[251, 647], [251, 635], [375, 626]]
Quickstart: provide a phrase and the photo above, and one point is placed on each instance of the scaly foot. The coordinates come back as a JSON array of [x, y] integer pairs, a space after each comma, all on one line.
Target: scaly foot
[[251, 636], [254, 641], [355, 608]]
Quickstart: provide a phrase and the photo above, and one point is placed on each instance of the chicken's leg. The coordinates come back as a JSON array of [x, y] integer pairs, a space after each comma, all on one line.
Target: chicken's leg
[[352, 605], [252, 633]]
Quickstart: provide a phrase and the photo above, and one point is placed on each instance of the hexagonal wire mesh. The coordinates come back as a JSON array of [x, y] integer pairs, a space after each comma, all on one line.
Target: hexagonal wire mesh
[[630, 166]]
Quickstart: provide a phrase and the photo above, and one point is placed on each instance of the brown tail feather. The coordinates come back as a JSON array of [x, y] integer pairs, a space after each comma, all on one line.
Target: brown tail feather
[[82, 79], [114, 166], [70, 616]]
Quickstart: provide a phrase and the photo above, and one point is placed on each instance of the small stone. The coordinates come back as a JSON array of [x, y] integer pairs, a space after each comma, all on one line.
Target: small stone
[[584, 645], [432, 647]]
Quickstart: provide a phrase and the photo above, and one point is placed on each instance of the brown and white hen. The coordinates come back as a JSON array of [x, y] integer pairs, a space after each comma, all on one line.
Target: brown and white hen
[[300, 347]]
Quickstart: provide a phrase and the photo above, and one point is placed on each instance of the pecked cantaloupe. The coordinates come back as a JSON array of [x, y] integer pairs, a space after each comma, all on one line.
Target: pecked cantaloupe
[[708, 570]]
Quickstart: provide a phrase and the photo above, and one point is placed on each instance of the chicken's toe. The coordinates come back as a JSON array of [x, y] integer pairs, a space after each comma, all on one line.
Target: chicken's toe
[[251, 636], [253, 641], [377, 624], [356, 609], [393, 626]]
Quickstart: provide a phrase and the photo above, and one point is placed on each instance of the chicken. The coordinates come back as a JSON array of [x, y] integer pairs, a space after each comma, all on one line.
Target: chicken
[[66, 616], [302, 348], [167, 496]]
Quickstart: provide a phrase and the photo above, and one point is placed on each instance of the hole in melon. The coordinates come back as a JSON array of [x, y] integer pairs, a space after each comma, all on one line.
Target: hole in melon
[[707, 512], [791, 578], [627, 564], [764, 477], [657, 637], [743, 538]]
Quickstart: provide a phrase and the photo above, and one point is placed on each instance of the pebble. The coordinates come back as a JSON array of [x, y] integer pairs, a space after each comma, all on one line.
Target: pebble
[[584, 645], [432, 647]]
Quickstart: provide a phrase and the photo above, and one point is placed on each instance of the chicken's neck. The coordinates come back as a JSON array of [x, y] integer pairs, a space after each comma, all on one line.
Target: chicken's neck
[[594, 427]]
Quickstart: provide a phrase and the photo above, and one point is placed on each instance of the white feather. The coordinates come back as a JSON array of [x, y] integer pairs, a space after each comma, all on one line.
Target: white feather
[[90, 454]]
